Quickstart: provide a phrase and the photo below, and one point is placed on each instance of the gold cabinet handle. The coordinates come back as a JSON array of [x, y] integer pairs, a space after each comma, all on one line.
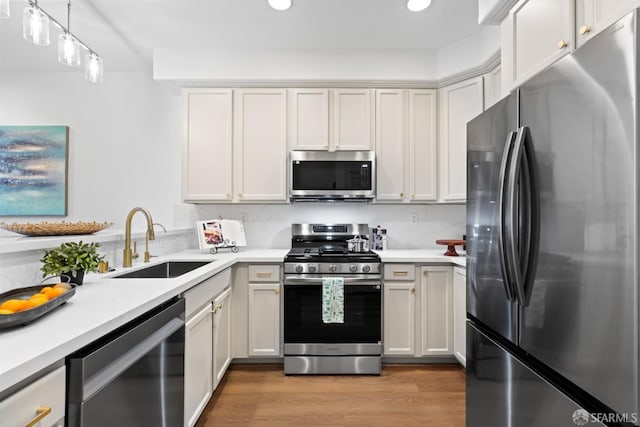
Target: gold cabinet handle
[[214, 311], [219, 306], [562, 44], [263, 274], [277, 291], [413, 290], [42, 412], [400, 273], [424, 273], [585, 30], [413, 195], [401, 194], [240, 195]]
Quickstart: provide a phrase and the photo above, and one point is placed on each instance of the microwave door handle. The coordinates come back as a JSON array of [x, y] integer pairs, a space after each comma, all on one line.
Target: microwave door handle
[[502, 201]]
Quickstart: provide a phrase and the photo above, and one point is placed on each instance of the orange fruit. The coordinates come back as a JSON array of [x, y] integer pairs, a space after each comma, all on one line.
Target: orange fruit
[[38, 300], [13, 304], [5, 311], [50, 293], [27, 305], [45, 289], [39, 295]]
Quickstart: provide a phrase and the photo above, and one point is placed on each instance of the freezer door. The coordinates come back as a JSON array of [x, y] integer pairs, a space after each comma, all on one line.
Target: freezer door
[[488, 291], [581, 317], [502, 392]]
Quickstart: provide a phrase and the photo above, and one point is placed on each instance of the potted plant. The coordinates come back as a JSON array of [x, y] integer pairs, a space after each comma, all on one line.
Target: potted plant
[[72, 259]]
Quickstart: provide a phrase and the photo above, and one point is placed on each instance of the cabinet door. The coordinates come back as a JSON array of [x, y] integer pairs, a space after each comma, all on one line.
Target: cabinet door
[[221, 336], [436, 311], [542, 33], [44, 397], [423, 161], [458, 104], [198, 364], [390, 143], [352, 119], [207, 147], [264, 319], [492, 87], [399, 318], [459, 314], [261, 145], [593, 16], [308, 119]]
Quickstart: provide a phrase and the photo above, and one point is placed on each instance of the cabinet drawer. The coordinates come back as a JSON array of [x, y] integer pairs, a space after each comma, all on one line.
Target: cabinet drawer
[[47, 393], [204, 292], [264, 273], [397, 272]]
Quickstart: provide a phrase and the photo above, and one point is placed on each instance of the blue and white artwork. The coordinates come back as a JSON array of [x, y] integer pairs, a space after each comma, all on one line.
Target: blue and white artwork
[[33, 170]]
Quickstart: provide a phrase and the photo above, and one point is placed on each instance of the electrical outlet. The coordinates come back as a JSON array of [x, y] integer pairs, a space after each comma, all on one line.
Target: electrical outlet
[[244, 217], [413, 218]]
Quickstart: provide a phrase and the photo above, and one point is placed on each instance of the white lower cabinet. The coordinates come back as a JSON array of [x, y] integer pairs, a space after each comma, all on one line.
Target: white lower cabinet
[[198, 365], [44, 399], [460, 314], [399, 318], [264, 319], [221, 335], [436, 290]]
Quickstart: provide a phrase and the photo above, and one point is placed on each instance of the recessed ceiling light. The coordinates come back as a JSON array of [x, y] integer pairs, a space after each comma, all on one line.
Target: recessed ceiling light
[[418, 5], [280, 4]]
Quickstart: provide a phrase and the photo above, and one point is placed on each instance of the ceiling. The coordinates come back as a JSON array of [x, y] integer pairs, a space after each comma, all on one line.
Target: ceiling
[[125, 32]]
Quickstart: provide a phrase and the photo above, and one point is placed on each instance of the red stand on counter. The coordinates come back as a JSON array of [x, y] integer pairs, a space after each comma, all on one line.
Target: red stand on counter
[[451, 245]]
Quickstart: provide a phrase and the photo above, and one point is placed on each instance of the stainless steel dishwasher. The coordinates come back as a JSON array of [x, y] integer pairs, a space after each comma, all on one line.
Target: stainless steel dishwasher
[[133, 376]]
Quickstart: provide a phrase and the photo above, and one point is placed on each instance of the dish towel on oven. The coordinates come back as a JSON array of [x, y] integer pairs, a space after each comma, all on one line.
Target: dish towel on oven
[[333, 300]]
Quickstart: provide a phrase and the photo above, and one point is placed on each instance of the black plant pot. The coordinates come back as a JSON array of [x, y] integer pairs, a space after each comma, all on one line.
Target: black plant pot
[[68, 277]]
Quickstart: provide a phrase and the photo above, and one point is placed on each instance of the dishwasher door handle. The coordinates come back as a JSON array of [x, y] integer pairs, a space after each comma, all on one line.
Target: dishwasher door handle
[[111, 371]]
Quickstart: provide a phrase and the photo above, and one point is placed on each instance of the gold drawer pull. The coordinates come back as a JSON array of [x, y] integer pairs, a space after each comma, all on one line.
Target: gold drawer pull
[[42, 412], [425, 273], [400, 273], [214, 311], [276, 290], [413, 290], [401, 194], [266, 274], [584, 30], [562, 44]]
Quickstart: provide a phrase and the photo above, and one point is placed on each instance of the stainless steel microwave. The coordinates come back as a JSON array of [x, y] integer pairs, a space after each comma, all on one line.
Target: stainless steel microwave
[[340, 175]]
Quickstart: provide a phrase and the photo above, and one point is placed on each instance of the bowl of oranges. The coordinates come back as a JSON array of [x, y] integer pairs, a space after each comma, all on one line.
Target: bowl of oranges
[[24, 305]]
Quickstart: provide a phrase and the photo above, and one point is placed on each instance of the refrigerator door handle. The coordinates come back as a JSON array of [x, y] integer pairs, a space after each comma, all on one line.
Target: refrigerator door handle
[[503, 201], [524, 204]]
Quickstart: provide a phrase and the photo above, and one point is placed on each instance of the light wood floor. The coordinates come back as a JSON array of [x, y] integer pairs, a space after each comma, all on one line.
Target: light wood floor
[[261, 395]]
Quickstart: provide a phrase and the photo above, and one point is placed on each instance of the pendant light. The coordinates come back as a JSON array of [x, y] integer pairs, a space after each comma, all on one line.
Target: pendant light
[[5, 10], [93, 69], [280, 4], [35, 25], [418, 5], [68, 46]]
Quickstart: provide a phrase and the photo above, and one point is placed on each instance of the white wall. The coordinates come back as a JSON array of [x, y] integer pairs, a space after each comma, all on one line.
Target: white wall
[[467, 53], [269, 226], [124, 140]]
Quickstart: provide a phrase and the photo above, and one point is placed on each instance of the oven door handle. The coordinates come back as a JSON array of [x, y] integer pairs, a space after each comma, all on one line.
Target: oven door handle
[[358, 281]]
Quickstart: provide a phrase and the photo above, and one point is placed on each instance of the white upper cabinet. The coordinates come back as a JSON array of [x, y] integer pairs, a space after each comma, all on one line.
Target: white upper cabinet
[[207, 147], [308, 119], [390, 144], [539, 33], [406, 145], [492, 87], [457, 104], [261, 144], [423, 158], [353, 116], [593, 16]]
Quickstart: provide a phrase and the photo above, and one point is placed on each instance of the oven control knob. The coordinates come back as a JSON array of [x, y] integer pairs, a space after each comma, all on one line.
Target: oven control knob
[[312, 269], [353, 268], [366, 268], [299, 269], [333, 268]]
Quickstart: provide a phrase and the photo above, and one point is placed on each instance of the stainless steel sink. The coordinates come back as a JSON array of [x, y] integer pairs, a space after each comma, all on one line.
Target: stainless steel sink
[[165, 270]]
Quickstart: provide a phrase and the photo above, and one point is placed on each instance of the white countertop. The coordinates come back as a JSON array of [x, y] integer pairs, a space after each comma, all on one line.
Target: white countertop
[[102, 304]]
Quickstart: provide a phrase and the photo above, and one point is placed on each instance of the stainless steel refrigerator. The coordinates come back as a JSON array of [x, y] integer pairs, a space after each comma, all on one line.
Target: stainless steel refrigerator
[[552, 230]]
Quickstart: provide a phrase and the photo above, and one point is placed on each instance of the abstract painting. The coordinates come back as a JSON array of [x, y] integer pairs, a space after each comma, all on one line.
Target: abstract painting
[[33, 170]]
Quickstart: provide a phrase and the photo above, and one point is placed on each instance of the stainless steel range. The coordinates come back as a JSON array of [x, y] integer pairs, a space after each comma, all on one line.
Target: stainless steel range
[[312, 345]]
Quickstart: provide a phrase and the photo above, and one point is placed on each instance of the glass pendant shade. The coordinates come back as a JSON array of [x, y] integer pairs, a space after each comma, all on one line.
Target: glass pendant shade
[[35, 26], [5, 10], [68, 50], [280, 4], [93, 69], [418, 5]]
